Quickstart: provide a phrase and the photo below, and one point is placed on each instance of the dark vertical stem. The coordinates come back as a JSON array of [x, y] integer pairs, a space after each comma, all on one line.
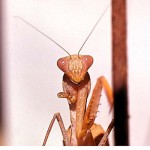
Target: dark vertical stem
[[1, 114], [119, 61]]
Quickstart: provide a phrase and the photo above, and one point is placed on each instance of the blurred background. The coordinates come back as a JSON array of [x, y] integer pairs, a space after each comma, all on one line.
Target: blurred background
[[31, 79]]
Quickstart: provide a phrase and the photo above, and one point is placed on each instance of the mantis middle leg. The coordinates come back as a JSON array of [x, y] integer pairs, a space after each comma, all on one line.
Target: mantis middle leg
[[62, 127]]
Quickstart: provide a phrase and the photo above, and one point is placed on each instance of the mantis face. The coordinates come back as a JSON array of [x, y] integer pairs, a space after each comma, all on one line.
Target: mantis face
[[75, 66]]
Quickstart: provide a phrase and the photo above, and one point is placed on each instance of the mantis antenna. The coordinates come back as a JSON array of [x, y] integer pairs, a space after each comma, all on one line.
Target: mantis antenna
[[93, 28], [55, 41], [42, 33]]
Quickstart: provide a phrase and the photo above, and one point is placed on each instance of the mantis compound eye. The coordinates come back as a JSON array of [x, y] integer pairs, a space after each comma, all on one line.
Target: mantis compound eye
[[87, 61], [62, 64]]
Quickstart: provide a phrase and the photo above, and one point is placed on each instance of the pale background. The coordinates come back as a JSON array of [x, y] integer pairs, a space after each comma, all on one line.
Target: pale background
[[32, 79]]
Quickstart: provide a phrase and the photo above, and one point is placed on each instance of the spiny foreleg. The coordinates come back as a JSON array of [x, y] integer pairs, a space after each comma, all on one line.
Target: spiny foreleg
[[92, 108]]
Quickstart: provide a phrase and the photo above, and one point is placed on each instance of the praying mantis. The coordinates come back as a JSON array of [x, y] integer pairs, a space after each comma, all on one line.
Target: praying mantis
[[76, 88]]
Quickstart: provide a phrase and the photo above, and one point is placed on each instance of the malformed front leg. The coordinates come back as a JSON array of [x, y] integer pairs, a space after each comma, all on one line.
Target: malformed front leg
[[62, 127], [71, 99]]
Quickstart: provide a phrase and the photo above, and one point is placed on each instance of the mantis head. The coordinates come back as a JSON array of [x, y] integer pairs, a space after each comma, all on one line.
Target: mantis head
[[75, 66]]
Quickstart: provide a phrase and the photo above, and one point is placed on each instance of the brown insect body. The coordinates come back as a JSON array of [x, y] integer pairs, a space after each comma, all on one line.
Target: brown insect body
[[76, 88]]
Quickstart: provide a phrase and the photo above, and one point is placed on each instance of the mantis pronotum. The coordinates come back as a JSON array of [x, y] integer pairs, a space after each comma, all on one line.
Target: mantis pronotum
[[76, 88]]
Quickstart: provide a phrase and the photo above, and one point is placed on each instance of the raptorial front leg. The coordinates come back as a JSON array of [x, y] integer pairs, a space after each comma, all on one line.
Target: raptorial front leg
[[62, 127], [92, 108], [93, 105]]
